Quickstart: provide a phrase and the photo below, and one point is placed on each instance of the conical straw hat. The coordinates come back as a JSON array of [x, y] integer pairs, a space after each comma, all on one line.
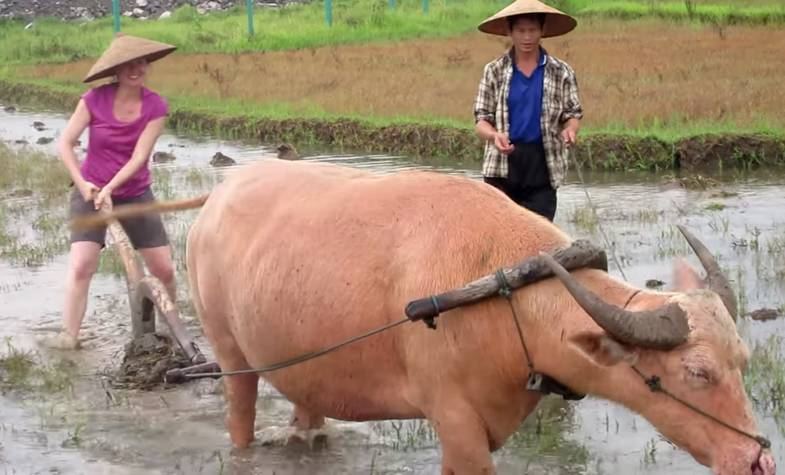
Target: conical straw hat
[[556, 22], [125, 48]]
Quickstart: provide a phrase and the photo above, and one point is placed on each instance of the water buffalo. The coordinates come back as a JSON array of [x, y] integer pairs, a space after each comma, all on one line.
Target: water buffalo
[[288, 257]]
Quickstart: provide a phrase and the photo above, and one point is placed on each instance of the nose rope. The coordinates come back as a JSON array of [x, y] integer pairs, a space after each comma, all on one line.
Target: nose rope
[[655, 385]]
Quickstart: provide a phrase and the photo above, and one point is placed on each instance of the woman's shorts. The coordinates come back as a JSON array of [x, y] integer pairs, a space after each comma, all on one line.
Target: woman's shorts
[[144, 231]]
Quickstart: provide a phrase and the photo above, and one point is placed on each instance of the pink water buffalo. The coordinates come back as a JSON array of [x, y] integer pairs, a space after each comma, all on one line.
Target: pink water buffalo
[[288, 257]]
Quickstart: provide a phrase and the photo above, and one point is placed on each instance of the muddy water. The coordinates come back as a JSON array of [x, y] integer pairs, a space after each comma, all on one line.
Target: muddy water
[[95, 428]]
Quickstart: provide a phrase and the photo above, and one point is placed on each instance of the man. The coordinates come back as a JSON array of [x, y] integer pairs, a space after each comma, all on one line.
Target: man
[[527, 107]]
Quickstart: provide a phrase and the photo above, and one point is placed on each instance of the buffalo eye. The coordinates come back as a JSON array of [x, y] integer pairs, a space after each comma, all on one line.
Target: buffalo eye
[[700, 374]]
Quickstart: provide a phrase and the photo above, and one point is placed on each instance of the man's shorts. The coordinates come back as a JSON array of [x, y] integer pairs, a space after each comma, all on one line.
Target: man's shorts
[[144, 231]]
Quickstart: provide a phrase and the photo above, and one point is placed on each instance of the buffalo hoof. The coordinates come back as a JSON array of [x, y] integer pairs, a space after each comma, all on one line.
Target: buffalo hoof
[[288, 435]]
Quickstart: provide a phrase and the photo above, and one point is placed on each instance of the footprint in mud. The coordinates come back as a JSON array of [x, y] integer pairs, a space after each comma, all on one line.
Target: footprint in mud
[[288, 435]]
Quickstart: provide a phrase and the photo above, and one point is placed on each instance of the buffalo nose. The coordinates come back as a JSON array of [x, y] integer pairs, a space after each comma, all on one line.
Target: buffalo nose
[[765, 465]]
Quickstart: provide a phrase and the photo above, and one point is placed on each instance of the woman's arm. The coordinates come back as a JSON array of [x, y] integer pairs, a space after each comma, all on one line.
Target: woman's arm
[[78, 122]]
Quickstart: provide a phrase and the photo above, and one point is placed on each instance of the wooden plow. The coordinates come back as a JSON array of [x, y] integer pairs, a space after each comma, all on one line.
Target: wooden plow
[[146, 294]]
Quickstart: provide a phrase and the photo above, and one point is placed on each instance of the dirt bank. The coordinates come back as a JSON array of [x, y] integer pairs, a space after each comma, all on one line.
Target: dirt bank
[[457, 145]]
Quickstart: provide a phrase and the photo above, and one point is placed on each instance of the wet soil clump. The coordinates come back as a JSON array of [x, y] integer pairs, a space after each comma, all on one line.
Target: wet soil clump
[[764, 314], [146, 361]]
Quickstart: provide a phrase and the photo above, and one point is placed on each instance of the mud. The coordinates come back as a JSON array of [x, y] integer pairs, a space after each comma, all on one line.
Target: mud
[[429, 143], [614, 152], [145, 362], [730, 151], [764, 314]]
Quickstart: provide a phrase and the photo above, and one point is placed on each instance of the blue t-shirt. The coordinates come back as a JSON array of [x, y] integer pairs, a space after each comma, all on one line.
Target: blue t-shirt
[[525, 103]]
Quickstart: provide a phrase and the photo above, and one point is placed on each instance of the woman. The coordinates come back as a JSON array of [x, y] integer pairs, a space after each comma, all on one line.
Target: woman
[[125, 119], [527, 107]]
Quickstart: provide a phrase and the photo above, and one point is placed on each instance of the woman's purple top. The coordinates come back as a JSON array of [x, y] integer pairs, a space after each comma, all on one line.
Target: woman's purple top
[[112, 142]]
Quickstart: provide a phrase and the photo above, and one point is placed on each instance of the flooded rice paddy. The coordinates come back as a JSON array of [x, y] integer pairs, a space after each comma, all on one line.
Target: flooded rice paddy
[[59, 415]]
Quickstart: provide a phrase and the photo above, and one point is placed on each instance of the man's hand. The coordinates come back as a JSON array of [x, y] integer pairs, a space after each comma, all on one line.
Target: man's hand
[[502, 143], [570, 133]]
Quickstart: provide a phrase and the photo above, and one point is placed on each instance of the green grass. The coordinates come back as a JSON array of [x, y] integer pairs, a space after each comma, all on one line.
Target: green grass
[[23, 371], [44, 183], [354, 21], [292, 27], [429, 139], [725, 14], [676, 128], [765, 378]]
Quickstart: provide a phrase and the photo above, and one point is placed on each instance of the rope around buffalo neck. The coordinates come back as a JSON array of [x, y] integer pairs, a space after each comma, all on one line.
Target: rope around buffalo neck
[[505, 290]]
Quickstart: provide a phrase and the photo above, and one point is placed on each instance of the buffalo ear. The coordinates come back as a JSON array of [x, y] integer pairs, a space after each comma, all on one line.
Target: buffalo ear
[[685, 277], [602, 349]]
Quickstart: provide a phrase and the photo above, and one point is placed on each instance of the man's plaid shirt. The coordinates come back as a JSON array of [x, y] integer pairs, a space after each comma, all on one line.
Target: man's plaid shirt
[[560, 102]]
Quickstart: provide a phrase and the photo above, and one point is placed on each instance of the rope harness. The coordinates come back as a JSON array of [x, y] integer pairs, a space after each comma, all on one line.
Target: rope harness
[[290, 362], [654, 383]]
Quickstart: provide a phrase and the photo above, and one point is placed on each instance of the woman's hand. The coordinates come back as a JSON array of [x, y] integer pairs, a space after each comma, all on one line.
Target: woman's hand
[[502, 143], [104, 199], [88, 190]]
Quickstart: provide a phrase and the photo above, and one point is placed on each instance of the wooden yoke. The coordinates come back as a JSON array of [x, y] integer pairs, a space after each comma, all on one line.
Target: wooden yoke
[[580, 253]]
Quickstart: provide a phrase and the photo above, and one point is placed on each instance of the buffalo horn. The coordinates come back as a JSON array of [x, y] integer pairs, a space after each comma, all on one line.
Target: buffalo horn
[[715, 278], [661, 328]]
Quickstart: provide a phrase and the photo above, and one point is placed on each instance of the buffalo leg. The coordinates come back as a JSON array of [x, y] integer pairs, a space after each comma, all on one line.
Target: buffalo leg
[[304, 426], [241, 392], [464, 440], [302, 419]]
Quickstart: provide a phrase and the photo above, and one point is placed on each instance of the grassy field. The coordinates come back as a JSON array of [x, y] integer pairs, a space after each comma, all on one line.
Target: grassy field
[[354, 22], [401, 81], [646, 78]]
